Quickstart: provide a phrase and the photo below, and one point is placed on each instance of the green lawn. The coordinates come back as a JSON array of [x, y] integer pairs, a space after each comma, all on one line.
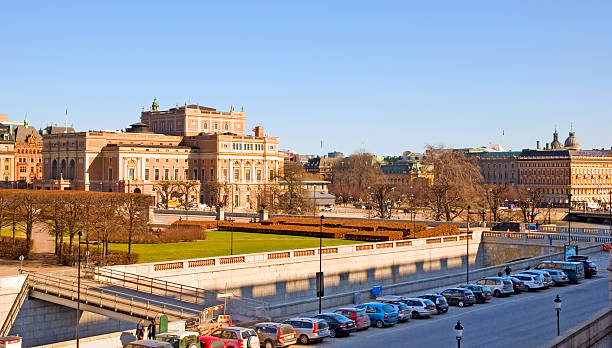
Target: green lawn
[[8, 232], [218, 244]]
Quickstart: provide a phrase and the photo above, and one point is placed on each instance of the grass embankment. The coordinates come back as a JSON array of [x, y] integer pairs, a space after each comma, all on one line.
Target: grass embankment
[[217, 243]]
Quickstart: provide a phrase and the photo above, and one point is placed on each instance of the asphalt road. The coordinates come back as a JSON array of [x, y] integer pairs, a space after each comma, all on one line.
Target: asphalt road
[[524, 320]]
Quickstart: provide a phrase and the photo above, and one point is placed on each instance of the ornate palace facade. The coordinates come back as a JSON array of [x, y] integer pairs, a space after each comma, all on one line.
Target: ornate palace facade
[[190, 142]]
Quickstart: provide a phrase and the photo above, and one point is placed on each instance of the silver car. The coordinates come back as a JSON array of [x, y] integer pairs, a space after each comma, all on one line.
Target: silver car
[[420, 307], [558, 276], [309, 329], [500, 286], [547, 279], [530, 281]]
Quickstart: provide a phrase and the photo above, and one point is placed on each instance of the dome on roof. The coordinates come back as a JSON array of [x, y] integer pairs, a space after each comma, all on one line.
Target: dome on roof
[[556, 144], [572, 142]]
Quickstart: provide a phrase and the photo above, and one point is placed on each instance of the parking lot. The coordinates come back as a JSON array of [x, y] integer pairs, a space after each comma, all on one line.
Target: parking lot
[[521, 320]]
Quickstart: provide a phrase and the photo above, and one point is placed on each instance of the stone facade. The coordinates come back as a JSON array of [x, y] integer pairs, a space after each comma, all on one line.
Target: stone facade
[[230, 167], [28, 154], [499, 168]]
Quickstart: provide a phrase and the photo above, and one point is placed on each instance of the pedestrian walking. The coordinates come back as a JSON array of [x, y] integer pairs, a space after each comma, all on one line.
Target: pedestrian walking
[[499, 274], [151, 330], [508, 270], [140, 330]]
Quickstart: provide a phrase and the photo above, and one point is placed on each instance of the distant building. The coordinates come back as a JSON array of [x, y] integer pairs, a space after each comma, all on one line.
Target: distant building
[[335, 154], [322, 166], [20, 152], [406, 168], [498, 168]]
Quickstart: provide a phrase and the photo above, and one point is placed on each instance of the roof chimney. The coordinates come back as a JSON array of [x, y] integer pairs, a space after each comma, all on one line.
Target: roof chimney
[[538, 144], [259, 131]]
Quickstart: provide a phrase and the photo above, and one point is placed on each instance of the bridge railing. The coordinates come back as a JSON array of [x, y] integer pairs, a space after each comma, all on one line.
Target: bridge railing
[[546, 236], [108, 299]]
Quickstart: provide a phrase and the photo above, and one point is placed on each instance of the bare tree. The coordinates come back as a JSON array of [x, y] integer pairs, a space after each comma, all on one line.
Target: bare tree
[[495, 196], [29, 211], [134, 215], [384, 197], [183, 191], [530, 202], [353, 175], [292, 199], [457, 183], [166, 190]]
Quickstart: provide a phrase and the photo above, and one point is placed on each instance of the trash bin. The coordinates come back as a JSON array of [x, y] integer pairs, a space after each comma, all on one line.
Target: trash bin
[[376, 291], [10, 342]]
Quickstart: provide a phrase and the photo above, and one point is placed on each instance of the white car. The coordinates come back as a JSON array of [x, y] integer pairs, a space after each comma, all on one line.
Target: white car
[[547, 279], [531, 281]]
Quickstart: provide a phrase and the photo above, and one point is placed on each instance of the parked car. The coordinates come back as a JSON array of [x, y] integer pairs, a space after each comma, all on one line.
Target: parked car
[[309, 329], [517, 285], [273, 335], [180, 339], [590, 268], [147, 344], [358, 315], [339, 325], [237, 337], [531, 281], [558, 276], [381, 314], [509, 226], [499, 285], [438, 300], [459, 296], [420, 307], [482, 293], [548, 282], [211, 342], [396, 301]]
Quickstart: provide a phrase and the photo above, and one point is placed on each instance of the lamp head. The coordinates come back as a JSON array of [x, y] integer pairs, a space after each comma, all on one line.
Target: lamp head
[[558, 303], [458, 330], [322, 217]]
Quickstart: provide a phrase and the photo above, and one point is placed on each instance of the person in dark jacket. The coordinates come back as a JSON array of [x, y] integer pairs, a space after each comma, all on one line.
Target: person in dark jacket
[[508, 270], [151, 330]]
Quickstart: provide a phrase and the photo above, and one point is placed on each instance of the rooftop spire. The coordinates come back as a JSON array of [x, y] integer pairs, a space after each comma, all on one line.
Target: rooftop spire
[[155, 105]]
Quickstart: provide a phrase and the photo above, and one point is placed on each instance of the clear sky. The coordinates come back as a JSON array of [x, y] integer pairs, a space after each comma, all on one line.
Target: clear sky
[[381, 75]]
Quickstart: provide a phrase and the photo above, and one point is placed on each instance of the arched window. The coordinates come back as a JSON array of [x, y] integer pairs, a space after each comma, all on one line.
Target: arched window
[[63, 168], [54, 169], [72, 169]]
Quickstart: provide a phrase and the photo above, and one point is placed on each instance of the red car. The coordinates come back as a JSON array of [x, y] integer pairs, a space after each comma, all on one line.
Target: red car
[[211, 342], [358, 315]]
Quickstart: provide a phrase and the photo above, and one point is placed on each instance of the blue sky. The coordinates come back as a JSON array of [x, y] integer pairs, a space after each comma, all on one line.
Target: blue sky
[[381, 75]]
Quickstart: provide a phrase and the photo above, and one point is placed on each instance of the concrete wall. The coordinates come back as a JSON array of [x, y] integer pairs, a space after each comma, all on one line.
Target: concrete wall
[[9, 288], [40, 322], [587, 333], [287, 276]]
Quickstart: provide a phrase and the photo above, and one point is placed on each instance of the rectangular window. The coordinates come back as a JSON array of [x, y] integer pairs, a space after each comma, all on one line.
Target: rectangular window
[[147, 174], [176, 174], [271, 174], [166, 174], [203, 176], [110, 173], [247, 175], [237, 174], [186, 174], [156, 174], [195, 174], [131, 172], [258, 175], [212, 174]]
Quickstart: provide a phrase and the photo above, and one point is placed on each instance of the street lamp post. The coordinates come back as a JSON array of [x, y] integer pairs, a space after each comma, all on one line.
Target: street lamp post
[[80, 234], [319, 277], [458, 332], [412, 213], [558, 302], [569, 221], [231, 221], [467, 248]]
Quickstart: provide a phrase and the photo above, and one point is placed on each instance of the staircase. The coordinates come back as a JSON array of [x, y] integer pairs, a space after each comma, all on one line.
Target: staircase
[[12, 314]]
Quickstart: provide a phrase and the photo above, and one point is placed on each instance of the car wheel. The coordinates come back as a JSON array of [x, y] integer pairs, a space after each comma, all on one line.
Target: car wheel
[[527, 288], [496, 293], [332, 333], [460, 304], [268, 344], [193, 346], [304, 339], [379, 323], [415, 315]]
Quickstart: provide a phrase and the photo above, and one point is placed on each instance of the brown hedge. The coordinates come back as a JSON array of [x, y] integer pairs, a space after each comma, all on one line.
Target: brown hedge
[[11, 250]]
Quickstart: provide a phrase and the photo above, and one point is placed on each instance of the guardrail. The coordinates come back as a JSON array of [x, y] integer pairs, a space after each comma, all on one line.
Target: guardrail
[[535, 236], [12, 314], [276, 256], [108, 299], [577, 230]]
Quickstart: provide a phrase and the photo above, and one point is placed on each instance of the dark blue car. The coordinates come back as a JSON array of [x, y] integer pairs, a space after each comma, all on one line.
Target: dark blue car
[[381, 314]]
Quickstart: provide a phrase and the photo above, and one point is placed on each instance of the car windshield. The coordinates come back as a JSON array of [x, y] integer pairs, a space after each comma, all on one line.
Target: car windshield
[[360, 312], [402, 306], [248, 333], [286, 329], [486, 288], [322, 324], [428, 303], [341, 318], [388, 308]]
